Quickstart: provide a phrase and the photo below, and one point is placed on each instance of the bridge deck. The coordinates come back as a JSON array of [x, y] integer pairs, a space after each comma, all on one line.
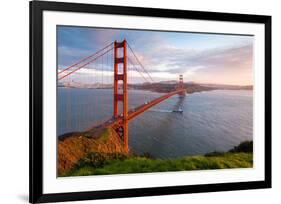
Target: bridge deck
[[140, 109], [133, 113]]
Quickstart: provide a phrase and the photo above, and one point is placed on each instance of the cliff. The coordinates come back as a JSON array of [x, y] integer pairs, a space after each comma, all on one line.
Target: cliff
[[73, 147]]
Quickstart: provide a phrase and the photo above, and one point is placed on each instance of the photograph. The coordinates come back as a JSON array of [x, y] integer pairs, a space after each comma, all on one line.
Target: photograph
[[133, 101]]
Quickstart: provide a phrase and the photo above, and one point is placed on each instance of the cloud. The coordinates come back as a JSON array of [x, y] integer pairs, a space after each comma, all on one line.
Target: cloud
[[102, 37], [162, 52], [227, 60]]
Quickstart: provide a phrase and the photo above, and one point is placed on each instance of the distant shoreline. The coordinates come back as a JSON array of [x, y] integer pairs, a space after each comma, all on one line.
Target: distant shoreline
[[190, 88]]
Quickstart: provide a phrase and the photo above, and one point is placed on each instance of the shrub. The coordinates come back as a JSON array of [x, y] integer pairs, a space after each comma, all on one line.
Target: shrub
[[246, 146], [97, 159], [213, 154]]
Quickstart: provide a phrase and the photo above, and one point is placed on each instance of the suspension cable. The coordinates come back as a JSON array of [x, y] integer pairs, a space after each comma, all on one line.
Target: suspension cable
[[139, 62], [89, 62], [84, 59]]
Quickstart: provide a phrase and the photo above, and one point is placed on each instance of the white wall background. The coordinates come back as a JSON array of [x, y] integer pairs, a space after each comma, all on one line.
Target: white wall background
[[14, 66]]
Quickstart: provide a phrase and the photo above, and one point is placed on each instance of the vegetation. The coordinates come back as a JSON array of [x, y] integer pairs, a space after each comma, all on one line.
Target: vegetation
[[246, 146], [118, 163]]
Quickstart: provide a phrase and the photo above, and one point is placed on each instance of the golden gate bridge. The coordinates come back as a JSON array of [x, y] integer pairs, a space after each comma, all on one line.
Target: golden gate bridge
[[115, 64]]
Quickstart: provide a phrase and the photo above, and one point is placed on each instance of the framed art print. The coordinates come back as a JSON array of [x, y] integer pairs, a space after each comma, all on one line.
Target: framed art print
[[128, 101]]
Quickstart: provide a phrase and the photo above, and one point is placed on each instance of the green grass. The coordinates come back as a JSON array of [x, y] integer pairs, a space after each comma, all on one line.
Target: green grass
[[135, 164]]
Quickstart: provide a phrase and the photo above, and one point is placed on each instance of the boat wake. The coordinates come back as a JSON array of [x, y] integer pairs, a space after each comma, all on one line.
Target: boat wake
[[167, 111], [161, 111]]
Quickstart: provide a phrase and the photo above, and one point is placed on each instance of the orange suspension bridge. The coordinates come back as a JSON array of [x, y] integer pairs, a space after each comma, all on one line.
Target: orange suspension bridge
[[95, 71]]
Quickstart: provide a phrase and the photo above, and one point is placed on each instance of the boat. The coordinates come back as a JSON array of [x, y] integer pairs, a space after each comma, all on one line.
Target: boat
[[178, 110]]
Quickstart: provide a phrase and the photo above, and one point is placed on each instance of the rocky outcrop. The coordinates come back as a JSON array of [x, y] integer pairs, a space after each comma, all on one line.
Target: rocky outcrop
[[73, 147]]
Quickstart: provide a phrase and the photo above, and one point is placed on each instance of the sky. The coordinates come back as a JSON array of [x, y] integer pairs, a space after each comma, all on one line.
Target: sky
[[199, 57]]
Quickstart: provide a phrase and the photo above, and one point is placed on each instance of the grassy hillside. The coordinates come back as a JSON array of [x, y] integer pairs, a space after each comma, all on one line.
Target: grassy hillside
[[100, 151], [134, 164]]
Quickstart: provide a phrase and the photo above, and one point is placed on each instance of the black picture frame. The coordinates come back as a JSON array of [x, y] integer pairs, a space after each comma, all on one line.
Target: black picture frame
[[36, 101]]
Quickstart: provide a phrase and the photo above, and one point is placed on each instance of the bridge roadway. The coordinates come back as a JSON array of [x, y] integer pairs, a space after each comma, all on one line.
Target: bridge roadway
[[140, 109]]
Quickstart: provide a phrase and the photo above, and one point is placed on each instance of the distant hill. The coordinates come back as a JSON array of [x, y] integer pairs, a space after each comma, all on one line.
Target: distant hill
[[191, 87], [73, 84]]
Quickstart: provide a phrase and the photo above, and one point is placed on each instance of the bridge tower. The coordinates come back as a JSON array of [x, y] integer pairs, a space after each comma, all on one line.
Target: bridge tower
[[121, 95], [181, 86]]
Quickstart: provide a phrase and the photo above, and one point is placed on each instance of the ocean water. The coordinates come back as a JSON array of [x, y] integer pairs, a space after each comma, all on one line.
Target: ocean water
[[211, 121]]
